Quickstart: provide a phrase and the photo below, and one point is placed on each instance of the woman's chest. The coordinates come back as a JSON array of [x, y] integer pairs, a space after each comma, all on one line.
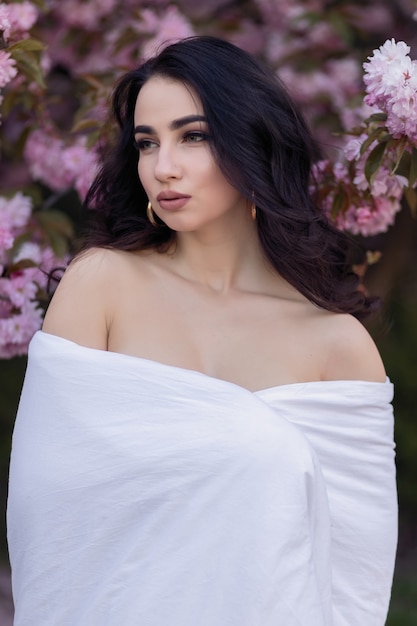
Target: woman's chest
[[253, 340]]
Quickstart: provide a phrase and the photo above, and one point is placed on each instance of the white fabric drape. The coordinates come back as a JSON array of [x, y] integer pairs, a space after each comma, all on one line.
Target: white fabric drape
[[144, 494]]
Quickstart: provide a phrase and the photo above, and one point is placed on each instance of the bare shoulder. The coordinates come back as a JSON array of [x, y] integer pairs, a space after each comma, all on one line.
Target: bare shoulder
[[80, 309], [350, 353]]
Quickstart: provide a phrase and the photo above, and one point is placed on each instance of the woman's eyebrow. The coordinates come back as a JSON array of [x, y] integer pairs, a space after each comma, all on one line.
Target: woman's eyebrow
[[174, 125]]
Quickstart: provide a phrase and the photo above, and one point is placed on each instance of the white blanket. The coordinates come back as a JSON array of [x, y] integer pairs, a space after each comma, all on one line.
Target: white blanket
[[143, 494]]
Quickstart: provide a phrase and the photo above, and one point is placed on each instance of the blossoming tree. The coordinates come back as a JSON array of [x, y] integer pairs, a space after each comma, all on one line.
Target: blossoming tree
[[59, 59]]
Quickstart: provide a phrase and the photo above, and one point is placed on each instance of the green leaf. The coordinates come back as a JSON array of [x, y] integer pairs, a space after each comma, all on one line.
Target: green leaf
[[9, 100], [374, 161], [402, 167], [20, 265], [54, 222], [340, 203], [58, 244], [26, 45], [85, 125], [377, 117], [400, 148], [375, 134], [28, 64], [40, 4]]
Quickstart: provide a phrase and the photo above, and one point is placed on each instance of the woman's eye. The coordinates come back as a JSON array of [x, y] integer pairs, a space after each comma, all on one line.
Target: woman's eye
[[144, 144], [195, 136]]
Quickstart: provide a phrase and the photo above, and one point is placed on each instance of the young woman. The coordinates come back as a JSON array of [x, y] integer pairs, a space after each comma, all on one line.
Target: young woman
[[205, 431]]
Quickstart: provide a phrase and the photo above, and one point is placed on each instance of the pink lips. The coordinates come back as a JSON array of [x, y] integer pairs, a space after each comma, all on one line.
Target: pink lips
[[172, 200]]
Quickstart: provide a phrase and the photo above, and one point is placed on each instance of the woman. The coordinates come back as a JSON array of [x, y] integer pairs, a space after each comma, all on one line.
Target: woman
[[205, 431]]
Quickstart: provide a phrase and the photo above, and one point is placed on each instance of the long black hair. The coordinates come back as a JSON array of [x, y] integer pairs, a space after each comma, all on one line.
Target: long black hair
[[264, 148]]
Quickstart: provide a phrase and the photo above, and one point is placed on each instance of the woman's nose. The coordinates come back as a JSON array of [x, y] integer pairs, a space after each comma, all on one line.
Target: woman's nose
[[167, 163]]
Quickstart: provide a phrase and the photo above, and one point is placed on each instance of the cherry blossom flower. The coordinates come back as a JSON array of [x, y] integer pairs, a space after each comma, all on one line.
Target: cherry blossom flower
[[24, 272], [171, 27], [15, 211], [371, 207], [5, 24], [6, 239], [18, 288], [391, 85], [22, 16], [7, 68], [86, 15], [59, 166], [17, 330]]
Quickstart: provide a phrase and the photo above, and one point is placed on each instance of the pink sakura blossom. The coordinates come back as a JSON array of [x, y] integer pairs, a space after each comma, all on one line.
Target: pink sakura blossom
[[81, 165], [28, 251], [391, 85], [372, 207], [5, 24], [171, 27], [22, 16], [18, 288], [339, 80], [20, 314], [7, 68], [6, 239], [16, 330], [43, 152], [377, 17], [278, 13], [15, 211], [353, 147], [380, 78], [86, 15], [60, 166], [384, 184], [44, 262], [368, 221]]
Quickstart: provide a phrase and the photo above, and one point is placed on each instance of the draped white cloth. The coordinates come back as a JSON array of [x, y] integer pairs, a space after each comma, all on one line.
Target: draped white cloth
[[143, 494]]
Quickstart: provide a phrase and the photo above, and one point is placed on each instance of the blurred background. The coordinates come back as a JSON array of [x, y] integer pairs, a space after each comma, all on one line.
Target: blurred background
[[68, 53]]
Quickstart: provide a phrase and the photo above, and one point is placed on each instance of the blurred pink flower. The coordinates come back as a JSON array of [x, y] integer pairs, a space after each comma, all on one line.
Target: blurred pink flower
[[171, 27], [368, 221], [18, 288], [22, 16], [353, 147], [17, 330], [81, 165], [5, 24], [7, 68], [372, 208], [43, 153], [86, 15], [15, 211], [20, 313], [6, 240], [60, 166], [28, 251]]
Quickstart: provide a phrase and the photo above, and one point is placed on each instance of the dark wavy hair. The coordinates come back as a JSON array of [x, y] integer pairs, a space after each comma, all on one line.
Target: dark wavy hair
[[264, 148]]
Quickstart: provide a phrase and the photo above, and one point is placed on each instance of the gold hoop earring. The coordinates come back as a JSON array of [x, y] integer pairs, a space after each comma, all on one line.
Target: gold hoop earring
[[253, 207], [150, 214]]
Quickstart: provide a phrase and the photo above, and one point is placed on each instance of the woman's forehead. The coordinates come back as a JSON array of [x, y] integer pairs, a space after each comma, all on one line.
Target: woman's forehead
[[166, 99]]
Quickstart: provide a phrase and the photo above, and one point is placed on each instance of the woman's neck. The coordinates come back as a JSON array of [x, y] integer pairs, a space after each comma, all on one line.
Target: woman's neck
[[222, 259]]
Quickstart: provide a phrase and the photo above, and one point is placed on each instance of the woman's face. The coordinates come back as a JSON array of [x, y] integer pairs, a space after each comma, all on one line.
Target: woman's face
[[176, 166]]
